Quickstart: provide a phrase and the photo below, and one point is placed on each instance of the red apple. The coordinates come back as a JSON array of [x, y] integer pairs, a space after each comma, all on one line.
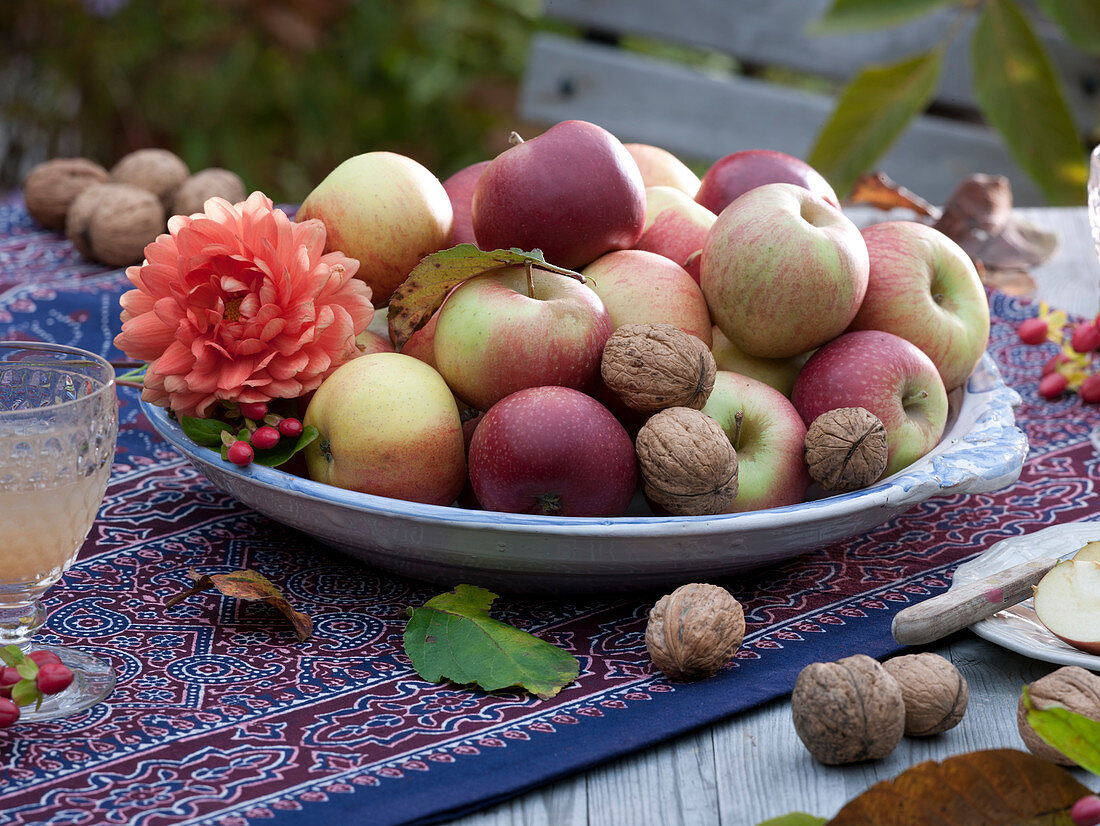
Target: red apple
[[460, 189], [783, 271], [573, 192], [421, 344], [675, 227], [644, 287], [554, 451], [924, 288], [493, 338], [385, 210], [389, 426], [732, 176], [1067, 602], [369, 342], [769, 440], [659, 167], [886, 375]]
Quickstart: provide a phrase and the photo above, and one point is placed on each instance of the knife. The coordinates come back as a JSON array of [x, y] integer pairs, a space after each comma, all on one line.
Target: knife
[[967, 604]]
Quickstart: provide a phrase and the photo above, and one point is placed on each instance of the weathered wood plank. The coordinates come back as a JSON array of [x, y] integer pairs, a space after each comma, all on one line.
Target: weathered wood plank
[[775, 34], [553, 805], [705, 117]]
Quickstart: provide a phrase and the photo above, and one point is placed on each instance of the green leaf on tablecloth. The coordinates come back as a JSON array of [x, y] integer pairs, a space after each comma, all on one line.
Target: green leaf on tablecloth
[[452, 636], [863, 15], [250, 586], [1021, 96], [871, 113], [423, 291], [795, 819], [1079, 19], [1076, 736], [205, 432]]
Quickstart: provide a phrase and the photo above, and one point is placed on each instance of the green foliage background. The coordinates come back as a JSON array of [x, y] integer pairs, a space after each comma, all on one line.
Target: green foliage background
[[280, 91]]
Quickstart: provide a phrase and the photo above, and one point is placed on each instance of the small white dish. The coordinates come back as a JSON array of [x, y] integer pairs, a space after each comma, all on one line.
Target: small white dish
[[1017, 628], [982, 450]]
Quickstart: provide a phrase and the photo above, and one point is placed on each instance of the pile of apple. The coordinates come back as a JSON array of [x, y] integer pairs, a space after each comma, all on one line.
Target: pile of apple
[[497, 401]]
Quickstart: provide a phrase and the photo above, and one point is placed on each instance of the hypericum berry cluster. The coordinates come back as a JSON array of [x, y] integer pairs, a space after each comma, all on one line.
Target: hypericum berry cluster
[[264, 430], [27, 678], [1071, 369]]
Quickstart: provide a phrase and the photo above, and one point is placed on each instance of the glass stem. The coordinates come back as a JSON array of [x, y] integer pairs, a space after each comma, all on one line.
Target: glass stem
[[19, 621]]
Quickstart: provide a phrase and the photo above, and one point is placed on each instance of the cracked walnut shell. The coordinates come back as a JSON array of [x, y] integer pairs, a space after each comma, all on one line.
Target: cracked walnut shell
[[51, 187], [687, 463], [1071, 686], [694, 631], [655, 366], [847, 711], [934, 690], [846, 449]]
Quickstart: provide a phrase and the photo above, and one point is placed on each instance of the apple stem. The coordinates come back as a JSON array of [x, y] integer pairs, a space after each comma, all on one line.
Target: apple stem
[[530, 279], [738, 418], [549, 503], [916, 397], [515, 139]]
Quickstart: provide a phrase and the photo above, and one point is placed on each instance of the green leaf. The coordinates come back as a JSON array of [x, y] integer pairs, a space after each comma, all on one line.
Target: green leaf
[[25, 692], [1076, 736], [861, 15], [872, 112], [12, 655], [285, 448], [1079, 19], [1021, 96], [452, 636], [795, 819], [205, 432], [28, 670], [422, 293]]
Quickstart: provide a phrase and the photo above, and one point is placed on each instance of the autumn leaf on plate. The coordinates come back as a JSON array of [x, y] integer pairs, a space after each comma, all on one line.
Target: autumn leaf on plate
[[422, 293], [452, 636], [250, 586]]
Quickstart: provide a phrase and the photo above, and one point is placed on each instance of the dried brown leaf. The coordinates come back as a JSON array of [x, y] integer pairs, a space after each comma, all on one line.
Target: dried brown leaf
[[878, 190], [250, 586]]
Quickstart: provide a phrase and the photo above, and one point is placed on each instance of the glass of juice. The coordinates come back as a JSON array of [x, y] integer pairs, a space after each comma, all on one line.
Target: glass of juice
[[58, 423]]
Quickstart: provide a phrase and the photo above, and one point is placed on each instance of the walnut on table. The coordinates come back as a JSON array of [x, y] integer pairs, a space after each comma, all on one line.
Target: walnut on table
[[694, 631]]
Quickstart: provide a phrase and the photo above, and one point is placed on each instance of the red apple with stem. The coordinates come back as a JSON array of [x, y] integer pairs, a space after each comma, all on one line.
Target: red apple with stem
[[573, 192], [552, 451], [732, 176], [885, 374], [500, 332]]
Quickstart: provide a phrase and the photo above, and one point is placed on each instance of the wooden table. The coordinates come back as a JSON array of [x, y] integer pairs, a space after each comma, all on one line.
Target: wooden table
[[752, 767]]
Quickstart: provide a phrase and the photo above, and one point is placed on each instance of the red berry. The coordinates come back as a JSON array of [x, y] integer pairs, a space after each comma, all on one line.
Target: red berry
[[8, 677], [1086, 337], [1086, 811], [1054, 362], [1052, 385], [240, 453], [9, 712], [253, 410], [1090, 389], [265, 437], [42, 657], [291, 427], [54, 678], [1033, 330]]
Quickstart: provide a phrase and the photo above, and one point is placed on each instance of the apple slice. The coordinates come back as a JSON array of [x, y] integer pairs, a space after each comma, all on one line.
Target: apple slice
[[1067, 602], [1089, 553]]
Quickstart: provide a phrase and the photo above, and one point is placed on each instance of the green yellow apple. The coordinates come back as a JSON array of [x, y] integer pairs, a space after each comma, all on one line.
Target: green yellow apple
[[675, 227]]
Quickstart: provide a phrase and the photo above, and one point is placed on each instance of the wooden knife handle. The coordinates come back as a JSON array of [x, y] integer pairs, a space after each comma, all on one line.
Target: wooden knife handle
[[966, 604]]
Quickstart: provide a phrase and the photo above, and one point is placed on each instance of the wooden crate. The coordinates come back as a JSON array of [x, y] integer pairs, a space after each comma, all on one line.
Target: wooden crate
[[704, 115]]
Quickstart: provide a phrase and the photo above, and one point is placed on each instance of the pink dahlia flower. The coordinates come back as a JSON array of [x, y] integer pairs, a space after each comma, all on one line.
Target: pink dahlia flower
[[240, 304]]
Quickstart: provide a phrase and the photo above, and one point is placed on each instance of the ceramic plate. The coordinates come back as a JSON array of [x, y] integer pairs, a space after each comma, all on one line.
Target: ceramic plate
[[1017, 628], [982, 450]]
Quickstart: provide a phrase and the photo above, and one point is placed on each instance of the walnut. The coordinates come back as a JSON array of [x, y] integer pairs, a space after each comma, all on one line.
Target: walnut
[[693, 631], [155, 170], [1071, 686], [847, 711], [688, 465], [112, 223], [846, 448], [654, 366], [51, 186], [207, 183], [934, 691]]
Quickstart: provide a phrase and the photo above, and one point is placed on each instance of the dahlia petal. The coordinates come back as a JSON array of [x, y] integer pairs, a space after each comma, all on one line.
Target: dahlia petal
[[144, 337], [234, 373], [310, 235]]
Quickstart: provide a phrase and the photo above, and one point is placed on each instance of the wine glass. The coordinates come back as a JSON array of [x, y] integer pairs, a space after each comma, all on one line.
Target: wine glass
[[58, 423], [1094, 197]]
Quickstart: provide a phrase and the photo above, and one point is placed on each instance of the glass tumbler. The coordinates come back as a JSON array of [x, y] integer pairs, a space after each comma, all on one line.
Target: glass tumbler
[[58, 424], [1094, 197]]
